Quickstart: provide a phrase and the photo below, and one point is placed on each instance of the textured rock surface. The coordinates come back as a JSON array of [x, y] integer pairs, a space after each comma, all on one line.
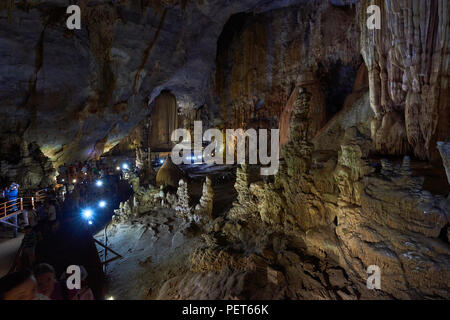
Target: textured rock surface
[[204, 208], [169, 174], [408, 63], [335, 207], [346, 212], [261, 58], [444, 149], [24, 163], [345, 197], [183, 207], [77, 93]]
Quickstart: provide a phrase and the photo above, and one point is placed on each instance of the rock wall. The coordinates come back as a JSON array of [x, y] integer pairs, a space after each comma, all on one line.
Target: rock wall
[[444, 149], [333, 209], [24, 163], [262, 58], [164, 120], [78, 93], [348, 209], [408, 63]]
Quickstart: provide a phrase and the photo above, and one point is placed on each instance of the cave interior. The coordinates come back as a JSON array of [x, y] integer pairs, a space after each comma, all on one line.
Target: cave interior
[[362, 115]]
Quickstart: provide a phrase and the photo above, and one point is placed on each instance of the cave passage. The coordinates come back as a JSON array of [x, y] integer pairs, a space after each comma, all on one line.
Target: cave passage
[[224, 150]]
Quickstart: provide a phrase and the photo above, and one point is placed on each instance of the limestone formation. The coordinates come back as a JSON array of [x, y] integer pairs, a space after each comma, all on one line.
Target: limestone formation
[[362, 206], [360, 113], [205, 206], [169, 174], [300, 123], [121, 69], [204, 260], [408, 69], [183, 207], [24, 163], [144, 199]]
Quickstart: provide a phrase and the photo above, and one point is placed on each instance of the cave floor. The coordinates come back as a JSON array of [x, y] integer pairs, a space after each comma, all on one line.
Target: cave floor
[[156, 246], [8, 250], [154, 249], [435, 179]]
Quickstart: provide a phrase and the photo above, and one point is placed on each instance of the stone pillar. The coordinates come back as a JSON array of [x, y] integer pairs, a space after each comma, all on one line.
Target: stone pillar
[[183, 208], [205, 206]]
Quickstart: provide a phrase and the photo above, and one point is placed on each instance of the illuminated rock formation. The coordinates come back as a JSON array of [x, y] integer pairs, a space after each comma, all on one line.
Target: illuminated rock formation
[[364, 139], [183, 207], [408, 75], [205, 206], [169, 174]]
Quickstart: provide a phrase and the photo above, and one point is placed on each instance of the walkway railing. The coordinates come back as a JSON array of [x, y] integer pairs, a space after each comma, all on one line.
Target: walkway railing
[[16, 206]]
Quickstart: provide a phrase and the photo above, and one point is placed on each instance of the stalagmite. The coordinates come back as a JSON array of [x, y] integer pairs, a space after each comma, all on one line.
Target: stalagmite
[[205, 206], [362, 115], [183, 207]]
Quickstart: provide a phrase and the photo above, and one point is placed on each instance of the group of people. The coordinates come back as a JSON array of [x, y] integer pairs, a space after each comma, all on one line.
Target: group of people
[[35, 281], [39, 224], [82, 171], [42, 283]]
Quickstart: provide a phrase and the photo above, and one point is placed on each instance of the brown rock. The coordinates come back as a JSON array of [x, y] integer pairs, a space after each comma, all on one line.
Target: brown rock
[[169, 174]]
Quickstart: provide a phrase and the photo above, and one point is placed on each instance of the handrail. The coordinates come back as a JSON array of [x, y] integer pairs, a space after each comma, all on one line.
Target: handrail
[[13, 207], [20, 203]]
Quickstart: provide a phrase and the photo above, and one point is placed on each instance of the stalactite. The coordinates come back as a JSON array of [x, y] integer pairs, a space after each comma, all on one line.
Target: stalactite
[[408, 62]]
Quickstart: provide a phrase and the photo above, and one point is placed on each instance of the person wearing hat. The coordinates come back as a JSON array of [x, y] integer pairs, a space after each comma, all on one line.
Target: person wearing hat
[[11, 195]]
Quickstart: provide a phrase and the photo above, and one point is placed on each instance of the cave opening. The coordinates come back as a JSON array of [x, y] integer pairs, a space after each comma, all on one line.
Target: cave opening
[[444, 234], [337, 81]]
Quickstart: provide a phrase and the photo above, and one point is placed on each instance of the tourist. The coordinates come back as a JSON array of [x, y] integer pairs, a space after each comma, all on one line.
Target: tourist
[[20, 285], [84, 170], [12, 192], [47, 284], [72, 173], [11, 195]]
